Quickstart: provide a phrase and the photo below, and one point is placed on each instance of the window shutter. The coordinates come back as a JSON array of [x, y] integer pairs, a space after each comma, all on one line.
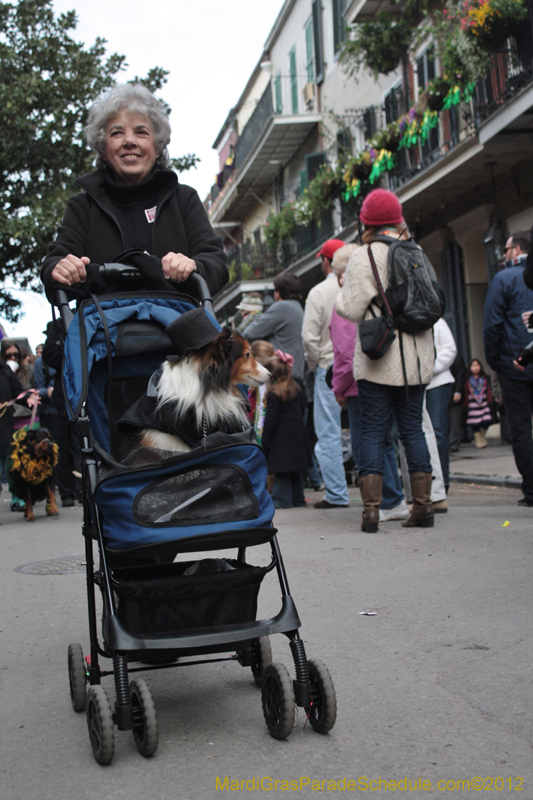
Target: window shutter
[[317, 32], [314, 162], [309, 53], [277, 95], [294, 81]]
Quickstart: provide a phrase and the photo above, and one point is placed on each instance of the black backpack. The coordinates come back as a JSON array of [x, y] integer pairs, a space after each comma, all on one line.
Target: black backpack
[[415, 298]]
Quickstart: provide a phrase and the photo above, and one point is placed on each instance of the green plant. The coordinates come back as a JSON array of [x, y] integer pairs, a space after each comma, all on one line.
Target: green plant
[[280, 226], [490, 22], [322, 190], [380, 45]]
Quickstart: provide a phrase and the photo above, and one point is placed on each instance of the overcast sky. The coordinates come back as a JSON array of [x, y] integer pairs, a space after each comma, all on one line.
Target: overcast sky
[[209, 47]]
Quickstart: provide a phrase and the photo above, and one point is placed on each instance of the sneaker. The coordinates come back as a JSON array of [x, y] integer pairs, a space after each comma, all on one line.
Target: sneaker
[[67, 502], [18, 506], [440, 507], [398, 512]]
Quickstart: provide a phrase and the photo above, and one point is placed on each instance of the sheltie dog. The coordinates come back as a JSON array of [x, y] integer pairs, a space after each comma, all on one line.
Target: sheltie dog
[[199, 393]]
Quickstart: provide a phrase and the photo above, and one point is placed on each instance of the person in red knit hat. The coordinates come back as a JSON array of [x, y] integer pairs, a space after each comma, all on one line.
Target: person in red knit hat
[[381, 384]]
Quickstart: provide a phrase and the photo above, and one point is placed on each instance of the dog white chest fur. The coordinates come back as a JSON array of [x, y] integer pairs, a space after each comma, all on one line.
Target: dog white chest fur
[[187, 385]]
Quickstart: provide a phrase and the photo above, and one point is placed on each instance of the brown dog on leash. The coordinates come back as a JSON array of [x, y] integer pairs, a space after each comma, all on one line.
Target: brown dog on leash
[[30, 467]]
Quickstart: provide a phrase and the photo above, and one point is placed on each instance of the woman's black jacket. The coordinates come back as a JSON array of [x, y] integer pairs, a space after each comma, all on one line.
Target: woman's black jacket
[[10, 387], [90, 228]]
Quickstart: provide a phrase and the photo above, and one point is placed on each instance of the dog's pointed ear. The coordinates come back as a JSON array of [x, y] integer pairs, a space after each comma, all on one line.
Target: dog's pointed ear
[[223, 344]]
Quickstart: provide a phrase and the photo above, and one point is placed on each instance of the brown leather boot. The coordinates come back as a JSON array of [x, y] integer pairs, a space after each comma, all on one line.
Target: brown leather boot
[[423, 513], [370, 486]]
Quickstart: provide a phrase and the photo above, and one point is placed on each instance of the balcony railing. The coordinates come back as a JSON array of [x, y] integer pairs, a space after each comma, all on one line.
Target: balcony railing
[[254, 127], [511, 69], [252, 261], [454, 127]]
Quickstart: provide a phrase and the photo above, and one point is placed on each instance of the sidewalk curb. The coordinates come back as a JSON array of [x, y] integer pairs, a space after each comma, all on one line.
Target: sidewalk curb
[[487, 480]]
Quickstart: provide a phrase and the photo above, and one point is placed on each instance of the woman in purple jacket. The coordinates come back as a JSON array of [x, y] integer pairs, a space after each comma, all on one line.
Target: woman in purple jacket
[[343, 335]]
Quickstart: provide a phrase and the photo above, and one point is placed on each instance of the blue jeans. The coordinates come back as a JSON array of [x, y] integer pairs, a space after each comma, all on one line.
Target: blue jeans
[[378, 404], [392, 487], [437, 404], [288, 490], [328, 449]]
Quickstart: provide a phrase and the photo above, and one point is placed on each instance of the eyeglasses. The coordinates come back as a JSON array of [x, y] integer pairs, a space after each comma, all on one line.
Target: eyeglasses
[[13, 354], [511, 247]]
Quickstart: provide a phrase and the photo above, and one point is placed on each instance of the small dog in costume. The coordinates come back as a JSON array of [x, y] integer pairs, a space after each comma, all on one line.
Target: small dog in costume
[[195, 393], [30, 469]]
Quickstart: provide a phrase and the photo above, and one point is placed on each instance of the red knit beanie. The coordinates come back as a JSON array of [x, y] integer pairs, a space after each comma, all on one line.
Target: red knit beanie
[[381, 207]]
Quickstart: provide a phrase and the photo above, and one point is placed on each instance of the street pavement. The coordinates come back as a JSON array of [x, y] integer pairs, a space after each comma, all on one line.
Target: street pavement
[[435, 686]]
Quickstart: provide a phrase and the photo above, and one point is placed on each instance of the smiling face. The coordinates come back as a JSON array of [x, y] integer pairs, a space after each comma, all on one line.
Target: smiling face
[[130, 147]]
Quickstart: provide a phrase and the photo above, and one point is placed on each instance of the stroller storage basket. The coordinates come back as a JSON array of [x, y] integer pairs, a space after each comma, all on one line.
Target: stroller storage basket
[[161, 601]]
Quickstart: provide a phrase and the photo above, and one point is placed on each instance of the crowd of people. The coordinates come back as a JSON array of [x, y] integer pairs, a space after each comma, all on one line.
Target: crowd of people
[[409, 408]]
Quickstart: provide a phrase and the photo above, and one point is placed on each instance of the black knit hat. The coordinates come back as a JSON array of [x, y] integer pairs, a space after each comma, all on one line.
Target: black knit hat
[[192, 331]]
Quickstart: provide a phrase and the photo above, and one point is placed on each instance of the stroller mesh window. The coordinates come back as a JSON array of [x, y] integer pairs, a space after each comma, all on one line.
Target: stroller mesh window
[[213, 493]]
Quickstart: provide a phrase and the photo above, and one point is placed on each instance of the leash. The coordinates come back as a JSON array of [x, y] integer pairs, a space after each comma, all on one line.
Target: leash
[[21, 396]]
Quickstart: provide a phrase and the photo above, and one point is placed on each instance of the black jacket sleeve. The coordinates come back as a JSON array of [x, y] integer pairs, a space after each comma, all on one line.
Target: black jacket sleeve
[[528, 271], [205, 247]]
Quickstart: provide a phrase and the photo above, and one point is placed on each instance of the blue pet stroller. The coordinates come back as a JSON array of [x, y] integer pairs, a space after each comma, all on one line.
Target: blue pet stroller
[[144, 509]]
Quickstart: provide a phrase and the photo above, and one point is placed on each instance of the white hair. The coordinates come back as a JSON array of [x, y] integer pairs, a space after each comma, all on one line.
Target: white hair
[[137, 99], [341, 258]]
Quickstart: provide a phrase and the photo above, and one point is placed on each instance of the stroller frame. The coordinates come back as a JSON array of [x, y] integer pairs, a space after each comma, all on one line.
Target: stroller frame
[[248, 642]]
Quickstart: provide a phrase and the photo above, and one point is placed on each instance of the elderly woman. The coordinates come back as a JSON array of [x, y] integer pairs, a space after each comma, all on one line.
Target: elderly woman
[[381, 385], [343, 336], [133, 200]]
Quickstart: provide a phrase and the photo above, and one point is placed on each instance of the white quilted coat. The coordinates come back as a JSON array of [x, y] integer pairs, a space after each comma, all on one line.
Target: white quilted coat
[[358, 292]]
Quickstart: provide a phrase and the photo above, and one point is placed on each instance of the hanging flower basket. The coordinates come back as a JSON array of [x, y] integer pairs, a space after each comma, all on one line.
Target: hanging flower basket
[[490, 22], [436, 93]]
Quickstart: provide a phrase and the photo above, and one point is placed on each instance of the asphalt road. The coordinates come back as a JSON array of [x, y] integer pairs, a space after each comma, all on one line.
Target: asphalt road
[[436, 686]]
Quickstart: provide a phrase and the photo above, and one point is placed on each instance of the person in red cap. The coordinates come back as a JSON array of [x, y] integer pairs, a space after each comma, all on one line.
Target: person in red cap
[[381, 384], [319, 355]]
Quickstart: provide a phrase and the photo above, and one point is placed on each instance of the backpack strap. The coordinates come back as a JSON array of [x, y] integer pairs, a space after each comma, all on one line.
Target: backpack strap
[[389, 313], [378, 282]]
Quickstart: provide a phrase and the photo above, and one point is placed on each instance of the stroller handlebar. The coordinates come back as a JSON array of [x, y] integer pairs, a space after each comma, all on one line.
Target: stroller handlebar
[[114, 273]]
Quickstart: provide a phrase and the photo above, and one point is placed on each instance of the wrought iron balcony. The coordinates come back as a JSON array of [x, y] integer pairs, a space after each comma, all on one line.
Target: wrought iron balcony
[[275, 131]]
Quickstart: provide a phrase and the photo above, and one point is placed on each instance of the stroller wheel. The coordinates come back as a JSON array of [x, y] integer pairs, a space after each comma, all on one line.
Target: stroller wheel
[[77, 677], [277, 695], [323, 711], [100, 724], [143, 718], [261, 658]]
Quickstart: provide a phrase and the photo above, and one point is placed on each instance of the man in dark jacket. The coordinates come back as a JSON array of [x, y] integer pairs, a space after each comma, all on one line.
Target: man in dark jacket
[[504, 337]]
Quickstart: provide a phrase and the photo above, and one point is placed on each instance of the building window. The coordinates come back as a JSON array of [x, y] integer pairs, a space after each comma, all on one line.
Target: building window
[[339, 24], [392, 103], [278, 105], [309, 54], [370, 124], [317, 35], [294, 81], [344, 144], [425, 68]]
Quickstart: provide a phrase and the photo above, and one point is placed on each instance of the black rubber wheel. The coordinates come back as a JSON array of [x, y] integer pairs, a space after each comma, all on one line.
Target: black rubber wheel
[[277, 696], [323, 711], [77, 677], [261, 658], [143, 718], [100, 724]]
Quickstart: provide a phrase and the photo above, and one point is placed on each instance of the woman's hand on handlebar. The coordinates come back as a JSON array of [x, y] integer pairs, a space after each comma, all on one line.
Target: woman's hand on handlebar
[[177, 267], [71, 270]]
